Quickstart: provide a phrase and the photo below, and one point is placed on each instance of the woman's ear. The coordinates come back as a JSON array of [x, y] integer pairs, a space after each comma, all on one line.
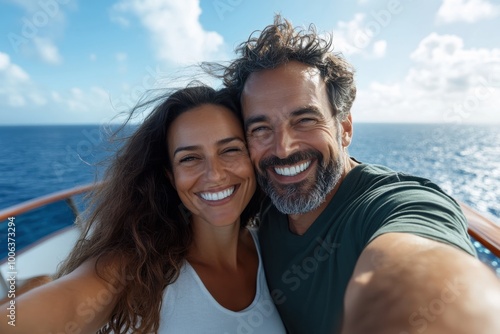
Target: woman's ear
[[170, 177]]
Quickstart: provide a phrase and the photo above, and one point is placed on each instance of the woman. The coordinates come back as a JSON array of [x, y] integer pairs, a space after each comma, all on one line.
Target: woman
[[165, 249]]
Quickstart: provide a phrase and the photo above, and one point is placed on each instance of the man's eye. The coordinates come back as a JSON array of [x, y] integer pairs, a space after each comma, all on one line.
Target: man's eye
[[307, 121], [259, 130]]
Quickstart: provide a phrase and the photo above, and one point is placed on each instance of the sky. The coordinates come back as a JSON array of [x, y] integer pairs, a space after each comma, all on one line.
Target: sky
[[88, 62]]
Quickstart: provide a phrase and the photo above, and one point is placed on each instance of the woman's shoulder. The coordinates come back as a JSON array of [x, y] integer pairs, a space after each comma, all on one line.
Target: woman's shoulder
[[253, 231], [251, 236]]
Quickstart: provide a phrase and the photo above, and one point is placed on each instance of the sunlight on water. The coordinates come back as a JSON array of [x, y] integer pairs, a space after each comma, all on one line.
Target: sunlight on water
[[463, 160]]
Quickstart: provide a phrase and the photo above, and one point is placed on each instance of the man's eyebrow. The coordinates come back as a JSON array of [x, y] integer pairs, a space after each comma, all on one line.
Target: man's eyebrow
[[255, 119], [197, 147], [307, 110]]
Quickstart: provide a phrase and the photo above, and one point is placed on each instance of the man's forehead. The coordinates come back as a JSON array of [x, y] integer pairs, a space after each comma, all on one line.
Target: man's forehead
[[292, 71], [288, 86]]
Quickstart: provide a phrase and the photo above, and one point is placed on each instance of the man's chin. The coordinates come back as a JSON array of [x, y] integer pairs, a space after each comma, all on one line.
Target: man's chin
[[295, 205], [292, 192]]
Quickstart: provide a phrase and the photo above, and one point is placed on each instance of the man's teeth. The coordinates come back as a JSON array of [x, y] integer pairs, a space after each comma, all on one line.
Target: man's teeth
[[218, 195], [293, 170]]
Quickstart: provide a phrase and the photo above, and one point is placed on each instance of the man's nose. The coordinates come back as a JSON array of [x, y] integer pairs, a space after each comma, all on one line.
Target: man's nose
[[284, 143]]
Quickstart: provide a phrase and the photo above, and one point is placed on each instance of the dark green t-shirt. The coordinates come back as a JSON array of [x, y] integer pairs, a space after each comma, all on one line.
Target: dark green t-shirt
[[308, 274]]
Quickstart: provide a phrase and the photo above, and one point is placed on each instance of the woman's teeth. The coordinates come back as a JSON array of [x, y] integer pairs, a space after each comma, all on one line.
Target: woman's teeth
[[217, 196]]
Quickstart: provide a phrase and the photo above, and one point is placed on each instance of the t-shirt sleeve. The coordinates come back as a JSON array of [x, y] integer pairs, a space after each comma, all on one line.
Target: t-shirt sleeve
[[421, 210]]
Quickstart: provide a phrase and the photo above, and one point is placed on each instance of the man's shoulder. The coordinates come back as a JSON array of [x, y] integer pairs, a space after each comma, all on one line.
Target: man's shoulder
[[374, 176], [267, 214], [364, 174]]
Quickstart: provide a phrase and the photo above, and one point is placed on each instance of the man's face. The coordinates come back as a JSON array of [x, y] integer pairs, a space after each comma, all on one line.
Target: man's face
[[295, 143]]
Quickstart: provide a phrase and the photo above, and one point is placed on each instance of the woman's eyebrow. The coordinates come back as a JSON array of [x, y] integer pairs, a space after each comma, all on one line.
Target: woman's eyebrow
[[186, 148], [223, 141], [230, 139]]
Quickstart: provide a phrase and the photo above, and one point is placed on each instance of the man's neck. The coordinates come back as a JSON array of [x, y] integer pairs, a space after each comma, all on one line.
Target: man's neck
[[300, 223]]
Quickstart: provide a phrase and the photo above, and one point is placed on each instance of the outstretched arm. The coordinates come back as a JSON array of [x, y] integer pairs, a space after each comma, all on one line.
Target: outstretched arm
[[407, 284], [80, 302]]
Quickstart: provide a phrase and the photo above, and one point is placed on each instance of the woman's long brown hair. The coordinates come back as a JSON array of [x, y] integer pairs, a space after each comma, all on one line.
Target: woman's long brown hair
[[134, 217]]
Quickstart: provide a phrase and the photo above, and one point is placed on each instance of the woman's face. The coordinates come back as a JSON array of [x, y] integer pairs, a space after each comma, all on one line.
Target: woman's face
[[211, 168]]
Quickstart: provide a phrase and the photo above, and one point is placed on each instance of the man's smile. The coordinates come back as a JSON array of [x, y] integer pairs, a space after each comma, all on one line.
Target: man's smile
[[292, 170]]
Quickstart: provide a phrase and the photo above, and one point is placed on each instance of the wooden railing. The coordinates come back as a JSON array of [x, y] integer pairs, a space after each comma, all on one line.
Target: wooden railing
[[66, 195], [481, 228]]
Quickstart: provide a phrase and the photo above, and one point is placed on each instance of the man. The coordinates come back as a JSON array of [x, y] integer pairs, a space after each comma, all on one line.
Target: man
[[348, 247]]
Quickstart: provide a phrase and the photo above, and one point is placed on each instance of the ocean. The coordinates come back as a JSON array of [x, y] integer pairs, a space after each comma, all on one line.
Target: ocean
[[37, 160]]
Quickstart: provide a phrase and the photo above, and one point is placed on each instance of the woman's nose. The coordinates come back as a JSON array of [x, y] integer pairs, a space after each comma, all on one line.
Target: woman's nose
[[215, 170]]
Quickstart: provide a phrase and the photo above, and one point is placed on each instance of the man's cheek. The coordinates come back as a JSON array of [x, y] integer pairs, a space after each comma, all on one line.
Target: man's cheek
[[254, 155]]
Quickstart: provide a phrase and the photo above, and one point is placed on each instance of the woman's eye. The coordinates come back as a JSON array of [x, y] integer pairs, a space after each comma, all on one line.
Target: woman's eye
[[187, 159], [232, 149], [235, 150]]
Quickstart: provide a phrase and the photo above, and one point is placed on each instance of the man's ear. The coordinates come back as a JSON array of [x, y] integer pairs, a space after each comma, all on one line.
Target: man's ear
[[347, 130]]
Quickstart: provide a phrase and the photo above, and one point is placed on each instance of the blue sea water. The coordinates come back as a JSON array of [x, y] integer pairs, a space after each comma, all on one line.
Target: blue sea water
[[36, 160]]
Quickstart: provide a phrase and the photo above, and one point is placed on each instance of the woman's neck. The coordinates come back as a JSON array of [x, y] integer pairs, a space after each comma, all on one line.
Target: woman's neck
[[215, 245], [225, 258]]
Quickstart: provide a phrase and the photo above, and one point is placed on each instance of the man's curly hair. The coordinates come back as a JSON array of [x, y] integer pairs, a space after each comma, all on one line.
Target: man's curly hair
[[281, 43]]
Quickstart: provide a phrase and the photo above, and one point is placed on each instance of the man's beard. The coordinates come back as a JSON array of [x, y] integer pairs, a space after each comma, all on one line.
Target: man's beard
[[301, 197]]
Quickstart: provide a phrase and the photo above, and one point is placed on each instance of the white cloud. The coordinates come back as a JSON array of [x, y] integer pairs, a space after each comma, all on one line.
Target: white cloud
[[358, 37], [37, 98], [176, 32], [78, 101], [469, 11], [121, 59], [446, 83], [93, 57], [72, 106], [22, 100], [379, 48], [13, 80], [449, 64], [43, 23], [47, 51], [116, 15], [11, 73], [121, 56], [82, 106]]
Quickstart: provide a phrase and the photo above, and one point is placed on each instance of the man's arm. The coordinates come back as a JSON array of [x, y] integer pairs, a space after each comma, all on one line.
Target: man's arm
[[407, 284]]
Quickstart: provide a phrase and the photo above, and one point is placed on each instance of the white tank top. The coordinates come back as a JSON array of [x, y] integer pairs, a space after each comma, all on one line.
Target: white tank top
[[189, 308]]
